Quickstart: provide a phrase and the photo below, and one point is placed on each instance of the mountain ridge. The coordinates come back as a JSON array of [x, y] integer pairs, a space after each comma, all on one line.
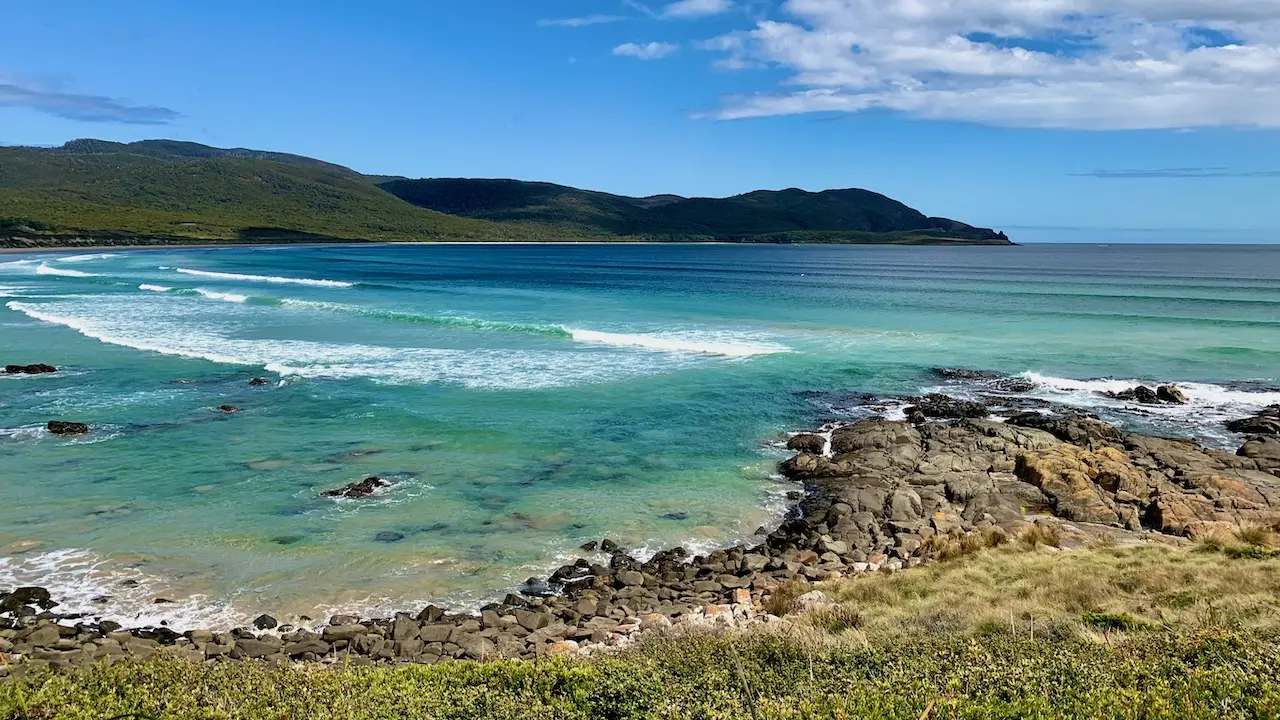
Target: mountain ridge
[[183, 191]]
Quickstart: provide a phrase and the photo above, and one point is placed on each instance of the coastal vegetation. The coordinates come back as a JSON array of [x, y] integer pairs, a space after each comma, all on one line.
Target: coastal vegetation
[[1015, 631], [170, 191]]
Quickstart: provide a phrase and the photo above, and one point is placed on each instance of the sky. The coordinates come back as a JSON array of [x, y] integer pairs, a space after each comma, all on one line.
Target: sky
[[1153, 119]]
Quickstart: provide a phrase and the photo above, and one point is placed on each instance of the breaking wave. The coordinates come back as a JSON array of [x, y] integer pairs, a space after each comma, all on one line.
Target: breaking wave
[[265, 278]]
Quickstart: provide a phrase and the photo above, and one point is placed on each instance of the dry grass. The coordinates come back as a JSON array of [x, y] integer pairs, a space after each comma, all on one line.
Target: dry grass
[[958, 544], [1048, 535], [782, 600], [1018, 589]]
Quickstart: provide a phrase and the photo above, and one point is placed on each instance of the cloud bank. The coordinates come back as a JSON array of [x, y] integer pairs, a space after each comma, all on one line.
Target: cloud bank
[[86, 108], [1079, 64]]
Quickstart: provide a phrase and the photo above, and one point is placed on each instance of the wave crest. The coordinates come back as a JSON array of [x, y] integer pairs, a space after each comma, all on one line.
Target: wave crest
[[265, 278]]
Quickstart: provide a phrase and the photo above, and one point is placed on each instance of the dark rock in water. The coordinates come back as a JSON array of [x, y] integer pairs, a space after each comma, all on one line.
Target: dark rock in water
[[1141, 394], [228, 409], [947, 407], [1170, 394], [363, 488], [1013, 385], [1266, 422], [58, 427], [1074, 428], [676, 516], [590, 546], [129, 583], [163, 601], [287, 539], [259, 382], [807, 443], [388, 536], [31, 595], [265, 622], [536, 587], [608, 545], [965, 374], [37, 369]]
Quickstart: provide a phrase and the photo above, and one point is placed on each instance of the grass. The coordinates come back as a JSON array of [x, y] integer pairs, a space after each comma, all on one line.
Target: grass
[[1010, 589], [1013, 630], [1161, 675]]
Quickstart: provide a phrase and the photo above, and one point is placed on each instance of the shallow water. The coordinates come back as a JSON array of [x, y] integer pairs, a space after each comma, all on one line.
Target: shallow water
[[525, 399]]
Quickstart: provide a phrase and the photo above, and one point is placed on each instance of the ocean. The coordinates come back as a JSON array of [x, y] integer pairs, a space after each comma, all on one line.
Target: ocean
[[524, 399]]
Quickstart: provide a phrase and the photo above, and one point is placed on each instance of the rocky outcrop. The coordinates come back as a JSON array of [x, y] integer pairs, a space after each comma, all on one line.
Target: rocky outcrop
[[878, 494], [60, 427], [1164, 394], [1266, 422], [939, 406], [37, 369], [361, 489]]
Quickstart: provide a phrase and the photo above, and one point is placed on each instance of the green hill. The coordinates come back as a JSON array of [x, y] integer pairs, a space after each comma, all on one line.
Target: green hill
[[185, 190], [174, 191], [763, 216]]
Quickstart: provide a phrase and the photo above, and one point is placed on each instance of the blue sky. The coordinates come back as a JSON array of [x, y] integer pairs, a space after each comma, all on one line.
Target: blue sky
[[1136, 114]]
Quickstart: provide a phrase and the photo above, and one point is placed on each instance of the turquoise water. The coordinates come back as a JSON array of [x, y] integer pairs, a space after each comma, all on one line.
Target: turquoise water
[[524, 399]]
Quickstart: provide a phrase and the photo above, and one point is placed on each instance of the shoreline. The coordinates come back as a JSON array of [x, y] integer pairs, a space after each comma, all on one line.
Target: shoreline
[[214, 244], [880, 496]]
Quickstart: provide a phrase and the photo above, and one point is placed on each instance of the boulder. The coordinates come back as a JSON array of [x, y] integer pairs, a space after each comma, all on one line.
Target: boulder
[[37, 369], [1141, 394], [361, 489], [265, 622], [59, 427], [807, 443], [1171, 395]]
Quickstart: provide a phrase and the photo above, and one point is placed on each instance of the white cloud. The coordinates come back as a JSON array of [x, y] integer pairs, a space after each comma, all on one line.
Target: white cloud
[[649, 51], [696, 8], [1094, 64], [581, 21]]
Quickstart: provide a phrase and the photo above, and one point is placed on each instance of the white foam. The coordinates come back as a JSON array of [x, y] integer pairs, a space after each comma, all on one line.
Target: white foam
[[265, 278], [708, 344], [155, 324], [76, 577], [45, 269], [87, 258], [23, 434], [11, 290], [154, 288], [224, 297], [1200, 396]]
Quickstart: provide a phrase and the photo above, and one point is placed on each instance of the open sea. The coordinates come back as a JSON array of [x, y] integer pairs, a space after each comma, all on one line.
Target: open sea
[[523, 399]]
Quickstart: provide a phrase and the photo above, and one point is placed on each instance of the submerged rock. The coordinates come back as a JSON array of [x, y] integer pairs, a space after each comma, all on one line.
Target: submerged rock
[[361, 489], [59, 427], [965, 374], [259, 382], [37, 369], [228, 409], [388, 536]]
